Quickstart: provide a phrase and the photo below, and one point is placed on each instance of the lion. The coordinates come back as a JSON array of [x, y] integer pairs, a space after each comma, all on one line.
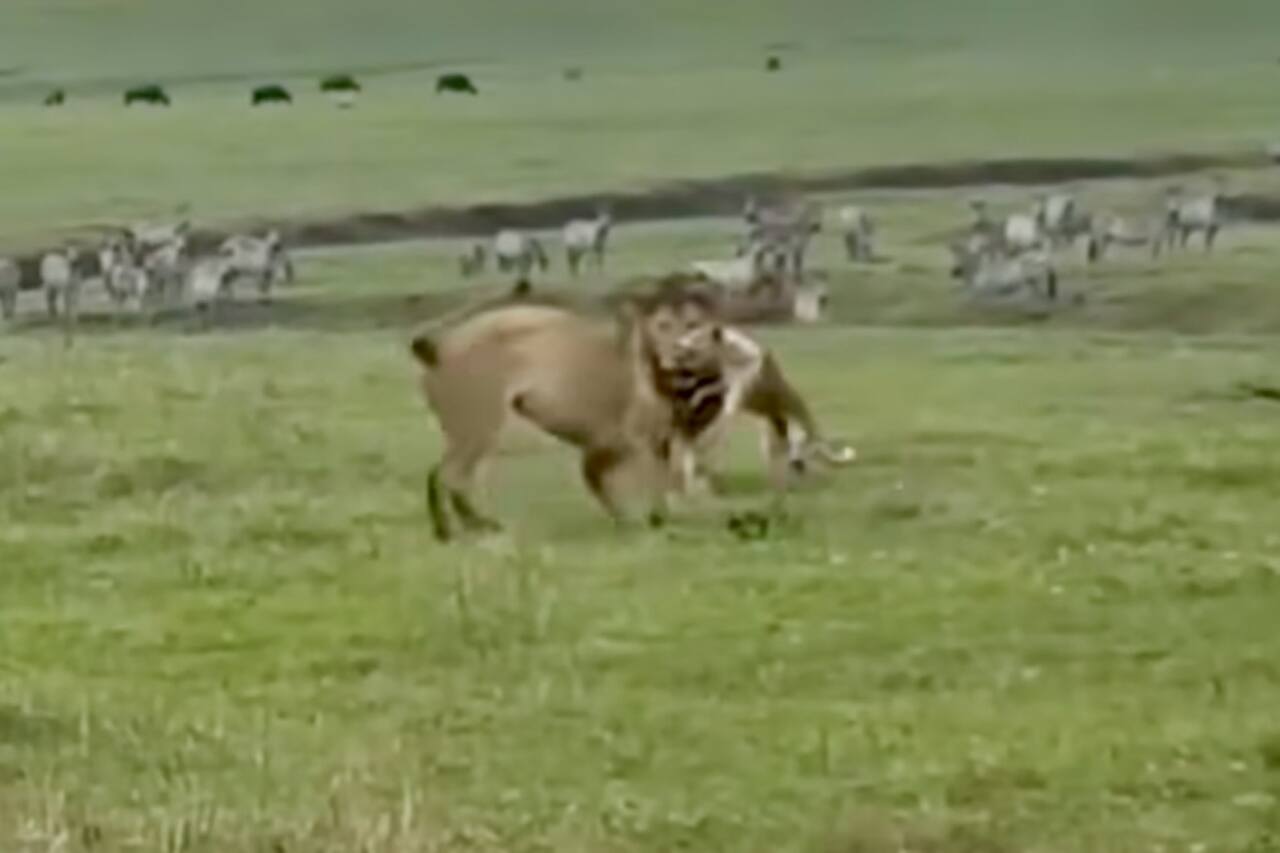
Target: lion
[[601, 386]]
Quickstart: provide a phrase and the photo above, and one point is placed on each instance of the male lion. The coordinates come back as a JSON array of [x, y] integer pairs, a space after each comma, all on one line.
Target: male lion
[[600, 386]]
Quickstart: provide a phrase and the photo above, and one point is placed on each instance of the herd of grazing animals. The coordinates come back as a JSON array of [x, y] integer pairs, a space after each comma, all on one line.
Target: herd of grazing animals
[[148, 268], [342, 89], [1016, 254]]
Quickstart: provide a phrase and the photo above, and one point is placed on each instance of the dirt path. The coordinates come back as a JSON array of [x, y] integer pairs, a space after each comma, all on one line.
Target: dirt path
[[724, 196]]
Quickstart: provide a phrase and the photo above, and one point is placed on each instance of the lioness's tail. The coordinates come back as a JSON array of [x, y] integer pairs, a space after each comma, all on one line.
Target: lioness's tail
[[835, 453], [424, 349]]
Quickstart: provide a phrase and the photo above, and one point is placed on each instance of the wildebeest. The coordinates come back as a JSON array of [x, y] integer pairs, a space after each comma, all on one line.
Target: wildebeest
[[519, 252], [1187, 216], [10, 282], [272, 93], [991, 272], [151, 93], [262, 260], [472, 261], [455, 82], [56, 98], [601, 387], [587, 238], [857, 230], [342, 88]]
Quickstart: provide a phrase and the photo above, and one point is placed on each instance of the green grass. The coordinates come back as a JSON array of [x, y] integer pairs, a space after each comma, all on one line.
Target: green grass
[[1036, 616], [671, 91], [1033, 617]]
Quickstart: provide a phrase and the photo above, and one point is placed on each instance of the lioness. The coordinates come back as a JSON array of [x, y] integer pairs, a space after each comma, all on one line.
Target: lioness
[[740, 375], [597, 385]]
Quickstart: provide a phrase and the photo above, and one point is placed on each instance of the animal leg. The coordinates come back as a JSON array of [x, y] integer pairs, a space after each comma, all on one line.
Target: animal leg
[[571, 260], [458, 472], [599, 464], [1210, 235], [436, 506], [852, 247], [51, 301]]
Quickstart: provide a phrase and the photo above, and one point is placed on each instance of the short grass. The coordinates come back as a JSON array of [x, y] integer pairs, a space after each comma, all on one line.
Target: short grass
[[671, 90], [1035, 616]]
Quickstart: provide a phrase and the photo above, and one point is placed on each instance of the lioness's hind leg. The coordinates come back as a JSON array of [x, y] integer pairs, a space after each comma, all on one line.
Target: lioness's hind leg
[[458, 472], [598, 466], [435, 506]]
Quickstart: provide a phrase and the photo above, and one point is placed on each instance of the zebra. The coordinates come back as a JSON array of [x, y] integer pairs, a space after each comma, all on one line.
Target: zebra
[[519, 252], [60, 280], [784, 231], [1015, 234], [1118, 231], [166, 265], [857, 230], [10, 282], [262, 259], [1184, 217], [208, 284], [736, 274], [472, 261], [1061, 219], [587, 238], [987, 272]]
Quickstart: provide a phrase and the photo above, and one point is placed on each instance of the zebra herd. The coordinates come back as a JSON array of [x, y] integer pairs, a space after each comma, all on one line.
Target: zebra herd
[[1017, 253], [519, 252], [147, 268]]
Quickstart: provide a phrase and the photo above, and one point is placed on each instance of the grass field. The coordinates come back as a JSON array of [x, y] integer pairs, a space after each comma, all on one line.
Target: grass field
[[670, 91], [1035, 616]]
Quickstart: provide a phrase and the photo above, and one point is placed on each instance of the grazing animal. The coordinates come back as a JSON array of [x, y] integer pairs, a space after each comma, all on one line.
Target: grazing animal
[[151, 94], [342, 88], [988, 272], [272, 93], [460, 83], [1187, 216], [472, 261], [857, 230], [166, 267], [126, 283], [603, 389], [587, 238], [773, 63], [260, 259], [209, 283], [1060, 219], [146, 236], [60, 281], [10, 282], [1117, 231], [749, 381], [1013, 235], [784, 230], [56, 98], [516, 251], [736, 274]]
